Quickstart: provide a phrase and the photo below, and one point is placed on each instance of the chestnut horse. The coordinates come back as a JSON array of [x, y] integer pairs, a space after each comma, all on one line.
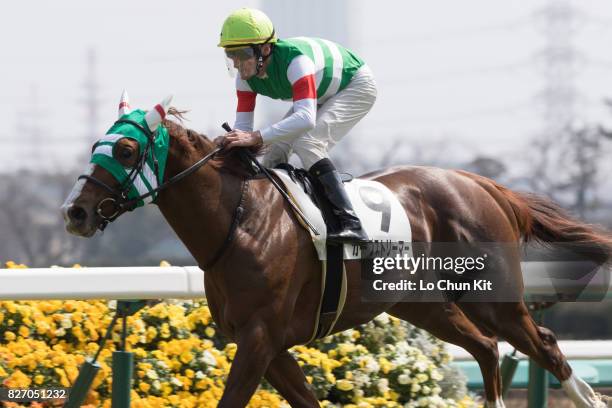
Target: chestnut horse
[[263, 285]]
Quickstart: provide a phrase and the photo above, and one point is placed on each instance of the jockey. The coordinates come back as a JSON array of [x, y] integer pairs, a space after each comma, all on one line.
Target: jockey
[[331, 89]]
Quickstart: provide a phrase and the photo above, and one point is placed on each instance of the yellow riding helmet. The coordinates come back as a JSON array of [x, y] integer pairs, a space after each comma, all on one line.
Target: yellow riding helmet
[[247, 26]]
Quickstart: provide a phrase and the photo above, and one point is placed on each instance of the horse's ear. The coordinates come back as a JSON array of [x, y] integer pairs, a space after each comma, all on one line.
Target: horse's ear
[[158, 113], [124, 104]]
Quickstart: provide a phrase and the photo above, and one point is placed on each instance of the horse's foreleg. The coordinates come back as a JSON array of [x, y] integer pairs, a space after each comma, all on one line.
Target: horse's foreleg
[[287, 377], [254, 353], [447, 322]]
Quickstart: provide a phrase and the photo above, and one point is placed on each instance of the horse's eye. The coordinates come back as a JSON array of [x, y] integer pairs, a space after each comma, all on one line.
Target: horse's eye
[[126, 153]]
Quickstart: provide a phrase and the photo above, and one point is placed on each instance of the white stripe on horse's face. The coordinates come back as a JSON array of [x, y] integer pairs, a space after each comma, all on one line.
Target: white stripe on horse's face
[[77, 189]]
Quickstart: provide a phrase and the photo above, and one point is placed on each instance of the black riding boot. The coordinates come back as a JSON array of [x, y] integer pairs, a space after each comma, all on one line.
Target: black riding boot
[[350, 226]]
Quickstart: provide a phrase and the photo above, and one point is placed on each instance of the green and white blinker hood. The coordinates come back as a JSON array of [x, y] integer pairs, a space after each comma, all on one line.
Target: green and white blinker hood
[[153, 141]]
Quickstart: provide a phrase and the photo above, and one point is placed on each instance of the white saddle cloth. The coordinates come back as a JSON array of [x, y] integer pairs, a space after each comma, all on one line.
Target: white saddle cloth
[[381, 214]]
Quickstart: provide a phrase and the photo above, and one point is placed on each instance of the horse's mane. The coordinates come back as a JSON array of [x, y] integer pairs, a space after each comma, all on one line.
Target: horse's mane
[[224, 161]]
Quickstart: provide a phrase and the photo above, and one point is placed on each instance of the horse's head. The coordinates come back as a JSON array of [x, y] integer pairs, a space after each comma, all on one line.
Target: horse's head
[[127, 165]]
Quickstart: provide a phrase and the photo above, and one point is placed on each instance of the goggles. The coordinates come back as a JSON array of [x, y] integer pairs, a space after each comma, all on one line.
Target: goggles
[[241, 54]]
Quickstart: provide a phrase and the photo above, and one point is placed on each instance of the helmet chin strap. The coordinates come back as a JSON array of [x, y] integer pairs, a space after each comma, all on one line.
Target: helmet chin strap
[[260, 63], [261, 59]]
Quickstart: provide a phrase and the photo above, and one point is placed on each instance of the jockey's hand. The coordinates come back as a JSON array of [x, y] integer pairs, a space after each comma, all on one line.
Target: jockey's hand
[[237, 138]]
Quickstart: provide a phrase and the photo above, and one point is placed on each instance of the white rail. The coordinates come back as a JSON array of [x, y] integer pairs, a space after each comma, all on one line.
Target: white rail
[[573, 349], [172, 282], [187, 282]]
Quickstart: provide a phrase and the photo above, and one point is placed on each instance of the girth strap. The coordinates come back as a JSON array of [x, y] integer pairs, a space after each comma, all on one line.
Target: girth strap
[[236, 218]]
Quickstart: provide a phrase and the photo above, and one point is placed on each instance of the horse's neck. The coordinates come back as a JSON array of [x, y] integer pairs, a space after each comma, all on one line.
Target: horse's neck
[[199, 209]]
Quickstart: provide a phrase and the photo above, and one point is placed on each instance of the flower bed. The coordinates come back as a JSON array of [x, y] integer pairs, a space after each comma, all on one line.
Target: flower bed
[[181, 360]]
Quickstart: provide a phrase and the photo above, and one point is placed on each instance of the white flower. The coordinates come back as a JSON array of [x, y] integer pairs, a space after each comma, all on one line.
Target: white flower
[[156, 384], [371, 365], [66, 322], [152, 374], [401, 360], [421, 378], [199, 375], [421, 366], [208, 358], [403, 379], [402, 347], [383, 385], [436, 375], [383, 318], [176, 382], [60, 332], [361, 379], [162, 364]]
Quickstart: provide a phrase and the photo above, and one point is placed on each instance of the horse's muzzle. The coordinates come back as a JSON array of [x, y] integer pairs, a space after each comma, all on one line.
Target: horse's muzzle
[[78, 220]]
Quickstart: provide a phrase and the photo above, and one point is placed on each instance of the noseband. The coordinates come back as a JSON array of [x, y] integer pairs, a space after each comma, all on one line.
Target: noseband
[[119, 195]]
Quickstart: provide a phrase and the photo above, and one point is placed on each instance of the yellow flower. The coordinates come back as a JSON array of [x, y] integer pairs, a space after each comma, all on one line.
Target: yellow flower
[[165, 330], [385, 365], [166, 389], [230, 350], [210, 332], [64, 381], [39, 379], [17, 380], [9, 336], [186, 357], [69, 306], [151, 333], [344, 385], [144, 387], [345, 348]]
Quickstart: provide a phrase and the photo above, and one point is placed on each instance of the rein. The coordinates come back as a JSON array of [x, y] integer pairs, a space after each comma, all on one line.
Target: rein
[[121, 202], [120, 198]]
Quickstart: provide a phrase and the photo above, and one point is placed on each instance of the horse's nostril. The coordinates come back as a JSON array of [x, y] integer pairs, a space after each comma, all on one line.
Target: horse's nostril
[[77, 213]]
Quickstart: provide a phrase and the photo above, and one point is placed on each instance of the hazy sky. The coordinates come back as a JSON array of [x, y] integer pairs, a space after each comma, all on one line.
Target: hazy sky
[[464, 71]]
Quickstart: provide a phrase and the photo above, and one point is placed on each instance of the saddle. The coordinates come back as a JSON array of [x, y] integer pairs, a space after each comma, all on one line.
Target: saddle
[[382, 216], [334, 274]]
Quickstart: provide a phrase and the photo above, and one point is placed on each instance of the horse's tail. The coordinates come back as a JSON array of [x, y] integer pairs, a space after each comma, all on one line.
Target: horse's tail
[[543, 221]]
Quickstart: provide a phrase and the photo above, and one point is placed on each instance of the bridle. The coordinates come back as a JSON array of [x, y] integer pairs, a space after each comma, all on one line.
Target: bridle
[[119, 199]]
